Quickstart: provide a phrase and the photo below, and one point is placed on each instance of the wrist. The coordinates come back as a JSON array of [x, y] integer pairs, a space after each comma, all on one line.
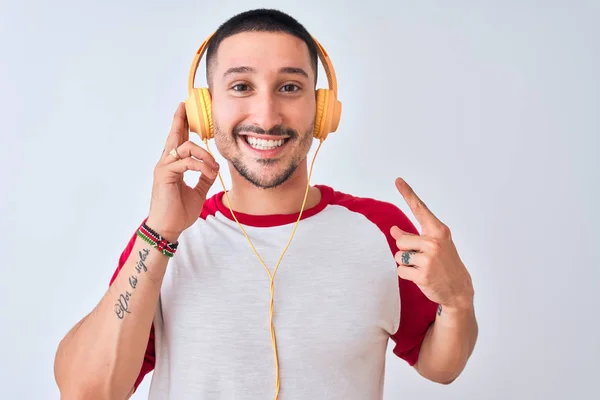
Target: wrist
[[461, 302], [171, 236], [457, 311], [164, 244]]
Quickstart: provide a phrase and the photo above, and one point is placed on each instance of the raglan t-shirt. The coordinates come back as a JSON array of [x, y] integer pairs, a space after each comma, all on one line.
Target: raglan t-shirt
[[338, 302]]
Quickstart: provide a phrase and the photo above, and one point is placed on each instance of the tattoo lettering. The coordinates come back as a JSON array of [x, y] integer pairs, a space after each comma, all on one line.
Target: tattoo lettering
[[122, 304], [140, 265]]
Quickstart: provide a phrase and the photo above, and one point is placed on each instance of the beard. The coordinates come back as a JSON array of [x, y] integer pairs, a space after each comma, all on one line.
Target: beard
[[256, 178]]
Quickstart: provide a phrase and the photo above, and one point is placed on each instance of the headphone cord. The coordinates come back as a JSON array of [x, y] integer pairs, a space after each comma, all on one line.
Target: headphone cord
[[271, 276]]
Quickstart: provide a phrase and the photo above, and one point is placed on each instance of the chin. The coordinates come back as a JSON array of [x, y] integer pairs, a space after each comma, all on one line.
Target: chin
[[268, 175]]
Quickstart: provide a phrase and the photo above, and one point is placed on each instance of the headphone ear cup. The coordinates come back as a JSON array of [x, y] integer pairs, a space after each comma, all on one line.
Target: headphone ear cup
[[321, 100], [329, 111], [192, 112], [206, 112], [198, 108]]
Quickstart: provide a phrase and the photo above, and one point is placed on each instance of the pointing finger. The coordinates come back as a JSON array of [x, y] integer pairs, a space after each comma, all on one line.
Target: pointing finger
[[425, 217]]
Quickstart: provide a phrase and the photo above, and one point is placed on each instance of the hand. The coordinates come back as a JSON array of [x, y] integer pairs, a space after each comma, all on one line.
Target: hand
[[174, 205], [430, 260]]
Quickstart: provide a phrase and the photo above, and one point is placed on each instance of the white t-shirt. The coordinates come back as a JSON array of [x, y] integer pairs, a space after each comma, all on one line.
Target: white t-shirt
[[338, 300]]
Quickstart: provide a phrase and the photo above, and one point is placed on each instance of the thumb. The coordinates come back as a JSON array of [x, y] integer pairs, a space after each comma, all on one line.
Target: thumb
[[397, 232]]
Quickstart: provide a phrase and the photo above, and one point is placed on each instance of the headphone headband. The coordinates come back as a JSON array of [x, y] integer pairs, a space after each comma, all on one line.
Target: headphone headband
[[322, 54]]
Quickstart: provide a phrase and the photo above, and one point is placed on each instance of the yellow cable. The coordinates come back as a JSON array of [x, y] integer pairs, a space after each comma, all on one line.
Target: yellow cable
[[272, 277]]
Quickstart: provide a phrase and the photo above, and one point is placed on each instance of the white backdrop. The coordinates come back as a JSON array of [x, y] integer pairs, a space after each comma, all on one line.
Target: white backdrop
[[489, 109]]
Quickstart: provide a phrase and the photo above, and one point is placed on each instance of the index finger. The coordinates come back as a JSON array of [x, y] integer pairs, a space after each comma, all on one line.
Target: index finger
[[425, 217], [179, 132]]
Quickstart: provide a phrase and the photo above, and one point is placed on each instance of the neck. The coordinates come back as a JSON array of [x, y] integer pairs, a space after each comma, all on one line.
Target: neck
[[287, 198]]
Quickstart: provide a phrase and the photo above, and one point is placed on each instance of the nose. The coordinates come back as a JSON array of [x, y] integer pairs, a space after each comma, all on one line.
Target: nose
[[265, 111]]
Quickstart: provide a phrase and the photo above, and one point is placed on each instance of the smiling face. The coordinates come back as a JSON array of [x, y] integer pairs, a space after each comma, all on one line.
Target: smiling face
[[263, 103]]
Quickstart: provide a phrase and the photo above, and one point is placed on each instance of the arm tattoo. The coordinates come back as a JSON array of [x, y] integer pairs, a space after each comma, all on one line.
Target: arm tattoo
[[122, 304]]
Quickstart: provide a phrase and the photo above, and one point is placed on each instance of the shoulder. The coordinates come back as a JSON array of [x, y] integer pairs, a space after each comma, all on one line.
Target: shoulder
[[382, 213]]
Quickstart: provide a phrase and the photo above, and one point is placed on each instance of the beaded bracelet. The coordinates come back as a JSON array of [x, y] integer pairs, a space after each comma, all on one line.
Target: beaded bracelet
[[157, 241]]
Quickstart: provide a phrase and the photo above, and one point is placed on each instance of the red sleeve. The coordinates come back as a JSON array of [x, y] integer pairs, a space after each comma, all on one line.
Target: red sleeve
[[417, 312], [148, 364]]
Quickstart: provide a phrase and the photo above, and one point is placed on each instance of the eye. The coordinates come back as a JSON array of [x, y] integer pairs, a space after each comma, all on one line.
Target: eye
[[290, 87], [240, 87]]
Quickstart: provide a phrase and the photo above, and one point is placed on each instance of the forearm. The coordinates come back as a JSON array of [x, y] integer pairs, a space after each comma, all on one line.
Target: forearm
[[104, 352], [448, 344]]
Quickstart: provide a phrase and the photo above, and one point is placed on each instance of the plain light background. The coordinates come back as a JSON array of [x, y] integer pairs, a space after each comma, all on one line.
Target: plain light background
[[489, 109]]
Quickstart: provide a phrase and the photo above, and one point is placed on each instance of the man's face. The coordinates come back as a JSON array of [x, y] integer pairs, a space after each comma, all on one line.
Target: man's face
[[263, 103]]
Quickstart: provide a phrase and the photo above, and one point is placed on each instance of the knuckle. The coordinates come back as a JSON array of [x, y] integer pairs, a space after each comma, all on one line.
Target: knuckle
[[205, 167], [198, 151], [417, 205], [445, 231], [434, 245], [187, 146]]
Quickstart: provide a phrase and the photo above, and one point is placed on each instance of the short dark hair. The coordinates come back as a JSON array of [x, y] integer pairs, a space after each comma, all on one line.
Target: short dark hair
[[261, 20]]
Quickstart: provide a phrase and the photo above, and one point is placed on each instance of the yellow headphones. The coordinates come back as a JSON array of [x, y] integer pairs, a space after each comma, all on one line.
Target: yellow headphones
[[198, 104], [199, 115]]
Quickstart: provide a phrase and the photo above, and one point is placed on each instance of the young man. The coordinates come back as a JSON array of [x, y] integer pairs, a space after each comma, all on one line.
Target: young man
[[245, 313]]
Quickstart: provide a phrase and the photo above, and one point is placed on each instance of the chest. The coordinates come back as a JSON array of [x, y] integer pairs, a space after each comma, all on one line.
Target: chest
[[335, 296]]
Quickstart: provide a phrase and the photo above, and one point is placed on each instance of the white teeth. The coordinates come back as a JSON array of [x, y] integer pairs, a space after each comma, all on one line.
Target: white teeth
[[262, 144]]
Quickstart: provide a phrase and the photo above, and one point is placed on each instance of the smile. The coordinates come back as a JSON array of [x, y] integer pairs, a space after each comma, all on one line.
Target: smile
[[262, 144]]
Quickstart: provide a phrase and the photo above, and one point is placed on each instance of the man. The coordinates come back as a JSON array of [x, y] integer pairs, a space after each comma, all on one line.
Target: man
[[191, 300]]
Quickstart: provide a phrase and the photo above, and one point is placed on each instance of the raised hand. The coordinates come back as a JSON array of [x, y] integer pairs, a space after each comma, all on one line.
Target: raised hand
[[174, 205], [430, 260]]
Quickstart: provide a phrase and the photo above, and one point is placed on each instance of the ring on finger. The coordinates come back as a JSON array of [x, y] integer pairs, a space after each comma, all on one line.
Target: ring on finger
[[174, 154]]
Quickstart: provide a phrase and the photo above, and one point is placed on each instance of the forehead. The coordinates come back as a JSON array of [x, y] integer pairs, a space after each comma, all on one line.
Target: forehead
[[263, 51]]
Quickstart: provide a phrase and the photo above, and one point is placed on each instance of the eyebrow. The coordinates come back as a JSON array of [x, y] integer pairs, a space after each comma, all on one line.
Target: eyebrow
[[293, 70], [285, 70]]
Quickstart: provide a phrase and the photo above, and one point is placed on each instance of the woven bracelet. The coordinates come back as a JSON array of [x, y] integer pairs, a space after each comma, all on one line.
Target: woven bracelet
[[157, 241]]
